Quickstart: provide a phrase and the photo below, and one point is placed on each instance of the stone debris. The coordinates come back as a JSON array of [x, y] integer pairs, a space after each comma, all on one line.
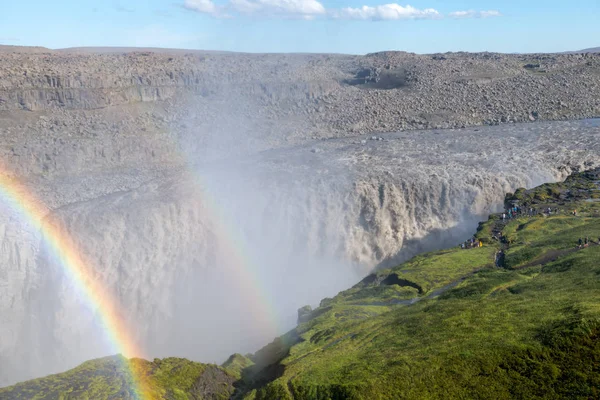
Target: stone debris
[[299, 96]]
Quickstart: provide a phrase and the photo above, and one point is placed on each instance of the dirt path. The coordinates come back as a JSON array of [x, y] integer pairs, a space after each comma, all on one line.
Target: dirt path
[[551, 256], [433, 294]]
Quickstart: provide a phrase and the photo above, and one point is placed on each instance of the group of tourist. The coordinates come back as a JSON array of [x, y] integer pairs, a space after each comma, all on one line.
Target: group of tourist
[[516, 211], [585, 242], [501, 238], [511, 213], [471, 243]]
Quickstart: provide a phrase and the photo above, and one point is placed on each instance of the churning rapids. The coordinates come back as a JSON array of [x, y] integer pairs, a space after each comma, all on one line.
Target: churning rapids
[[216, 258]]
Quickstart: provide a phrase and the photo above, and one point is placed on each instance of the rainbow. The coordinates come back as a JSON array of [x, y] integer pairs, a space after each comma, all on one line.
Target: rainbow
[[79, 270], [246, 280]]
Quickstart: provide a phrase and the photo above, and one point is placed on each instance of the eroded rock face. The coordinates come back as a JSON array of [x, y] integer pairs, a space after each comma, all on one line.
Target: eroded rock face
[[214, 383]]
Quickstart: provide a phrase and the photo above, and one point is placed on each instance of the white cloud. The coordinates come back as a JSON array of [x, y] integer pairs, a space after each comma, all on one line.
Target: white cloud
[[391, 11], [309, 9], [462, 14], [291, 8], [475, 14], [306, 9], [201, 6]]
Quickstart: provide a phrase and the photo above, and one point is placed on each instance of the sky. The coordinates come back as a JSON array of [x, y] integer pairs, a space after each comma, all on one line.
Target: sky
[[337, 26]]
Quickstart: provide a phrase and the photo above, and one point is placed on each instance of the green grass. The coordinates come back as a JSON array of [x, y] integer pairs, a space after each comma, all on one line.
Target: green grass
[[445, 266], [535, 237], [109, 378], [236, 363], [432, 270], [494, 336]]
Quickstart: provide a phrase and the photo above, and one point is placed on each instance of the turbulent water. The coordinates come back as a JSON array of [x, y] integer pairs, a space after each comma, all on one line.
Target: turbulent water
[[216, 258]]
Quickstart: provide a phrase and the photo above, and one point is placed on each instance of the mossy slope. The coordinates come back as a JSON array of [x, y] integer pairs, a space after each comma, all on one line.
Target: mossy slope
[[451, 324], [110, 378]]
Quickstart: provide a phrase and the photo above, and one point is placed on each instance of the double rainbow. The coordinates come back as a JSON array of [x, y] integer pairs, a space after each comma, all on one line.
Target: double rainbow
[[82, 273]]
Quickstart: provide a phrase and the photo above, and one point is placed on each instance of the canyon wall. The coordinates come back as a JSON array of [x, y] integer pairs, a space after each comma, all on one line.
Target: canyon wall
[[216, 193]]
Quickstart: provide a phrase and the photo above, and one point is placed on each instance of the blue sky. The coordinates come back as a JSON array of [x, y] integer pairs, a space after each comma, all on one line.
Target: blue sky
[[343, 26]]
